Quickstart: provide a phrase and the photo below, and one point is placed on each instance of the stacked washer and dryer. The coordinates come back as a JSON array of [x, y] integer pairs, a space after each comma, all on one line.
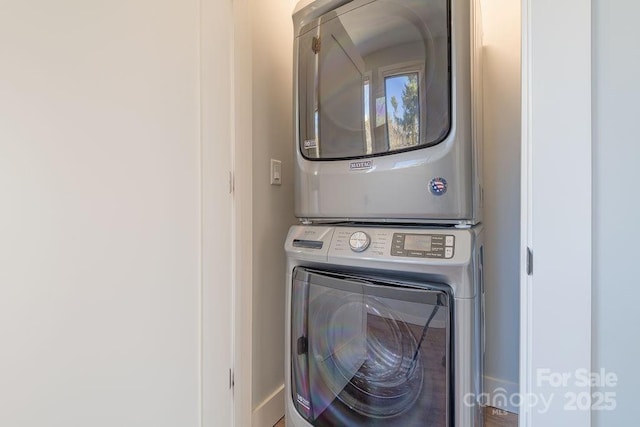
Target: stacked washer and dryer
[[384, 274]]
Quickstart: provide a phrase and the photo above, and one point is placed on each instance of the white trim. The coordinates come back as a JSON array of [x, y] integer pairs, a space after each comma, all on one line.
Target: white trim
[[242, 240], [555, 305], [270, 411], [216, 309], [524, 415], [201, 336]]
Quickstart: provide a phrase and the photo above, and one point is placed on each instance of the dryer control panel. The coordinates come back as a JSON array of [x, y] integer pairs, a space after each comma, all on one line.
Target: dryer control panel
[[420, 245]]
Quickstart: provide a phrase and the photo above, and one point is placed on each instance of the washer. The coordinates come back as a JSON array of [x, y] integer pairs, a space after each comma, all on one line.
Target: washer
[[384, 326]]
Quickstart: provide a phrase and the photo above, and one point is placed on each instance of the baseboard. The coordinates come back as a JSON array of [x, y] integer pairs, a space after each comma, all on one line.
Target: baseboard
[[269, 412], [501, 394]]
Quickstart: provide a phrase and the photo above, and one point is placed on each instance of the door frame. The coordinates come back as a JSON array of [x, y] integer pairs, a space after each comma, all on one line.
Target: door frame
[[216, 149], [241, 178], [543, 24], [555, 305]]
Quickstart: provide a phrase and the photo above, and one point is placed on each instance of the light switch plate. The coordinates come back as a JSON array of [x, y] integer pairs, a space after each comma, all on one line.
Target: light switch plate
[[276, 172]]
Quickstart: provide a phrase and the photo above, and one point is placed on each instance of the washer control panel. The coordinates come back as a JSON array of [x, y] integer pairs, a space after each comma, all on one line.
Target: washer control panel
[[412, 246], [418, 245], [370, 242], [359, 241]]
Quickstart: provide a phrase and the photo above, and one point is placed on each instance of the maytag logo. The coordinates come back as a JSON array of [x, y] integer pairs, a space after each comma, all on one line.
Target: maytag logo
[[363, 164]]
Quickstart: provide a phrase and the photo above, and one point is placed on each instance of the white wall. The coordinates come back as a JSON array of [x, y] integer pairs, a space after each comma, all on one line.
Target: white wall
[[100, 225], [616, 174], [501, 19], [272, 47]]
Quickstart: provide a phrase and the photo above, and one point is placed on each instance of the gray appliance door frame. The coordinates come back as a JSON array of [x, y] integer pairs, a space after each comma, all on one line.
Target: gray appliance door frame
[[306, 357]]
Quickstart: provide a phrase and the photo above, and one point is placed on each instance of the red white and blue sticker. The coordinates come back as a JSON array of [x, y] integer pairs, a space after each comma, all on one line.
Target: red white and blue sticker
[[438, 186]]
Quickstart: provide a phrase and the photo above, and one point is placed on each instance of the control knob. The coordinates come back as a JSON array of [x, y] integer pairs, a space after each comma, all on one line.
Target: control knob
[[359, 241]]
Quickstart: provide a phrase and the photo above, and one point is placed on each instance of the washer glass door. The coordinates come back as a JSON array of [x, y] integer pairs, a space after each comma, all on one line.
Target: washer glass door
[[366, 351]]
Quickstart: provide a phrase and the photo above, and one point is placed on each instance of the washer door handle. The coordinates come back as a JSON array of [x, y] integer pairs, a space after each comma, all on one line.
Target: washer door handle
[[302, 345]]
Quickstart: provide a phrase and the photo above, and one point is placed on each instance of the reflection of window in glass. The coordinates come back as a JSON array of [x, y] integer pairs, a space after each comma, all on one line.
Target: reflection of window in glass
[[403, 110], [367, 121]]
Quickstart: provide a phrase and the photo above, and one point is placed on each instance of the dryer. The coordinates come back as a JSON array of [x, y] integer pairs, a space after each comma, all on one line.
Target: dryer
[[388, 111], [384, 326]]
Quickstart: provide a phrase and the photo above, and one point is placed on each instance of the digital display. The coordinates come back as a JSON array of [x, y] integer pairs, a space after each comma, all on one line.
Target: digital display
[[416, 242]]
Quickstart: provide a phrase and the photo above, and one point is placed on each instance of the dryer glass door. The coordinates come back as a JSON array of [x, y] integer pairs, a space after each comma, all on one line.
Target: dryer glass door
[[369, 352], [374, 78]]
